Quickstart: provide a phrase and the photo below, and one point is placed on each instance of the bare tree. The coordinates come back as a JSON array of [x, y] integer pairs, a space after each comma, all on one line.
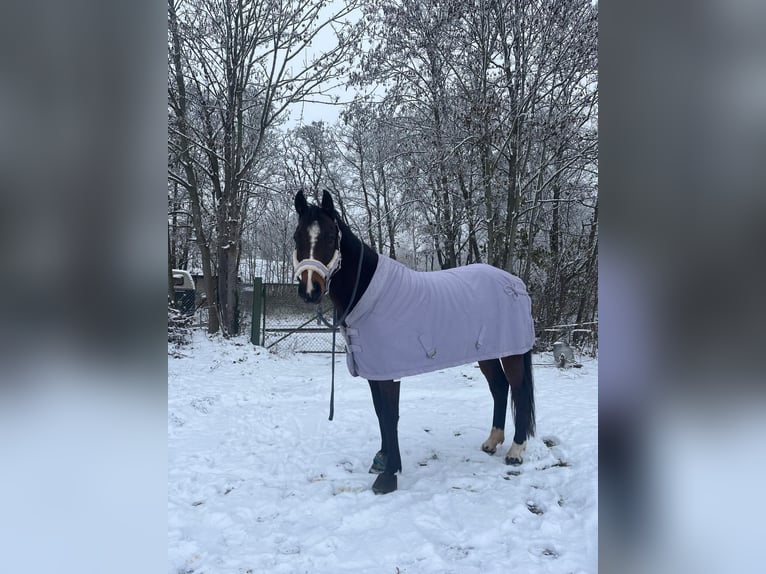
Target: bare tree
[[494, 102], [245, 63], [412, 43], [480, 143]]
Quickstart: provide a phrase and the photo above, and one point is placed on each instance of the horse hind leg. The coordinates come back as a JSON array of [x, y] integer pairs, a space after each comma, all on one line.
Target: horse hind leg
[[498, 386], [518, 371]]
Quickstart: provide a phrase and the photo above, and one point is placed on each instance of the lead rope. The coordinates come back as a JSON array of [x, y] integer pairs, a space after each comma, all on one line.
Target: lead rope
[[336, 324], [332, 386]]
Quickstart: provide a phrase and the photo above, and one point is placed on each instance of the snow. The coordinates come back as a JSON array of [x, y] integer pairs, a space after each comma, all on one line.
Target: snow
[[261, 481]]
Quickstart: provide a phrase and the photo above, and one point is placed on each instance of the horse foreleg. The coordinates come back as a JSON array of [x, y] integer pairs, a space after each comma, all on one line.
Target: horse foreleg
[[518, 371], [379, 462], [498, 386], [386, 393]]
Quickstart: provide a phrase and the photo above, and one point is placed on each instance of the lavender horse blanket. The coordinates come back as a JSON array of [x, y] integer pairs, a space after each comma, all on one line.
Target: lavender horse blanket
[[410, 322]]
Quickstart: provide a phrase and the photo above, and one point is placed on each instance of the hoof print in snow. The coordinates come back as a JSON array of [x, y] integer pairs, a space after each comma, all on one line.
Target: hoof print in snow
[[550, 553], [198, 503], [534, 509], [458, 552], [425, 462], [468, 488], [558, 463], [203, 405], [511, 473], [345, 488], [550, 441]]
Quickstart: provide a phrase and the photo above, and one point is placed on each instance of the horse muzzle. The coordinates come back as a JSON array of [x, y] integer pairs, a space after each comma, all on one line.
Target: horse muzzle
[[311, 291], [313, 275]]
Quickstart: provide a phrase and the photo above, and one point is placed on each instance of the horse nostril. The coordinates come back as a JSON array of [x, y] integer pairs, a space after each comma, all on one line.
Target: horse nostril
[[312, 296], [315, 294]]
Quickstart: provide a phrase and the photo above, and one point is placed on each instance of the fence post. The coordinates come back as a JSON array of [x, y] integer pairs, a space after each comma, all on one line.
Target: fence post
[[255, 330]]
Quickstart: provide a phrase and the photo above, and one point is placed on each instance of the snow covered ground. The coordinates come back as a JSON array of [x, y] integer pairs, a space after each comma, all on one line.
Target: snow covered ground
[[260, 481]]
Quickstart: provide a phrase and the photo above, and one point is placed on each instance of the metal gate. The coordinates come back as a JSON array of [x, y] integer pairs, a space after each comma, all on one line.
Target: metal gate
[[289, 324]]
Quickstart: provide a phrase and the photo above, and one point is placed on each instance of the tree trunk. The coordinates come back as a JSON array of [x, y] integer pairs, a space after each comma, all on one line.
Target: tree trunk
[[474, 254], [366, 195], [388, 215], [191, 183], [171, 292]]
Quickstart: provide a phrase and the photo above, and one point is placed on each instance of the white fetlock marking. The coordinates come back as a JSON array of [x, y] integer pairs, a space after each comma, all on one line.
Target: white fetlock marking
[[516, 450], [496, 437]]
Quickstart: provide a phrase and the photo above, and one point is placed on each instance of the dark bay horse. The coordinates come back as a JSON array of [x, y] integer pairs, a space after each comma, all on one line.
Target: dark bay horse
[[382, 323]]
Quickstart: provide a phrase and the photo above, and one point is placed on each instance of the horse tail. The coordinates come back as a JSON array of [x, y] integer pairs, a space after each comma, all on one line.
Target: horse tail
[[529, 383], [523, 401]]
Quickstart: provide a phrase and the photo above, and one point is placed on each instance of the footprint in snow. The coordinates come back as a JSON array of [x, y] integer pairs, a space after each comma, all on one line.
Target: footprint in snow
[[552, 443], [458, 552], [203, 405]]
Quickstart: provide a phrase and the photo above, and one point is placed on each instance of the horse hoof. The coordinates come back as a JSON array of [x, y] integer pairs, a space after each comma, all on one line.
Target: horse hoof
[[378, 463], [514, 454], [496, 437], [384, 484]]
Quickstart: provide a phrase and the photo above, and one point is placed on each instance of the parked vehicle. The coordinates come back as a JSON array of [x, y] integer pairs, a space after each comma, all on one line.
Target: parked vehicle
[[184, 292]]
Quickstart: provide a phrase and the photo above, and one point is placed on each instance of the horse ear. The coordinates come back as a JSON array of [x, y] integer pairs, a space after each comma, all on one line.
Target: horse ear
[[327, 204], [300, 202]]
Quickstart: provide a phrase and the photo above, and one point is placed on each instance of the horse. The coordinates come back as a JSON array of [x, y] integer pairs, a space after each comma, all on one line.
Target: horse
[[385, 309]]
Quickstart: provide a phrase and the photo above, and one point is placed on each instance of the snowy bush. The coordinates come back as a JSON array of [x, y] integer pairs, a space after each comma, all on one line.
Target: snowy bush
[[179, 330]]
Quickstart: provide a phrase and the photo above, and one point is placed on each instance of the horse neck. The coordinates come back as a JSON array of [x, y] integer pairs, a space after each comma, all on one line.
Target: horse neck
[[342, 284]]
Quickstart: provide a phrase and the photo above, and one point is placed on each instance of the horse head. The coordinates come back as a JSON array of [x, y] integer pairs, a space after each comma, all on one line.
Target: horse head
[[317, 246]]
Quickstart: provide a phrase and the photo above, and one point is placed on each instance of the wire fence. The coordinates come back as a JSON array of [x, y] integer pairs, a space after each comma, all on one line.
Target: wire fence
[[289, 324]]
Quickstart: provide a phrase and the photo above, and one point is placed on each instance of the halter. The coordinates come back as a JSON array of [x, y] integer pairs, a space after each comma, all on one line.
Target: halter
[[311, 264], [327, 271]]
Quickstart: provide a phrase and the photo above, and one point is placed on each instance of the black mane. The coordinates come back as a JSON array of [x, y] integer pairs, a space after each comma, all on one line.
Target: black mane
[[342, 284]]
